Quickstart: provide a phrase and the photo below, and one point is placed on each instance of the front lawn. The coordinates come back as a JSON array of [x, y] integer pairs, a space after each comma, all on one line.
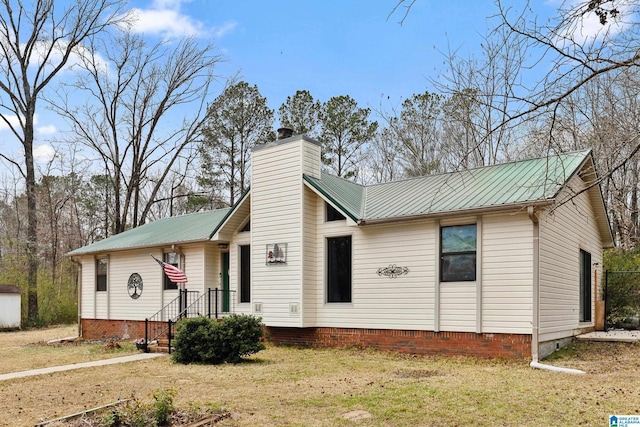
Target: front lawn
[[283, 386]]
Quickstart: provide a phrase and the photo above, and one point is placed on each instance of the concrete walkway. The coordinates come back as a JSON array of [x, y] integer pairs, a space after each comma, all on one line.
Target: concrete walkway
[[611, 336], [52, 369]]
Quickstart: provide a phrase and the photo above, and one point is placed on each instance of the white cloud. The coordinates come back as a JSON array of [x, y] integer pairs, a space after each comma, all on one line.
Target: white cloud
[[43, 153], [225, 29], [589, 28], [46, 130], [11, 119], [165, 19]]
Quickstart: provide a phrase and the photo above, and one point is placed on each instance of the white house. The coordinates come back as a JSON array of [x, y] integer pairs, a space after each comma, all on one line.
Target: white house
[[10, 301], [503, 260]]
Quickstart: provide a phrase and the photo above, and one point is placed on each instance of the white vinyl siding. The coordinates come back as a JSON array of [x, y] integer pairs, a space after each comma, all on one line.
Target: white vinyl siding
[[88, 291], [458, 306], [310, 160], [276, 217], [212, 265], [116, 304], [193, 266], [239, 239], [404, 302], [507, 273], [310, 259], [123, 264], [563, 233]]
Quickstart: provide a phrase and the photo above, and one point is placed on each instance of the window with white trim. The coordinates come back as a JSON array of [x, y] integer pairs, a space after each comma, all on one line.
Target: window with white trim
[[173, 259], [458, 253], [101, 274], [339, 269], [245, 273]]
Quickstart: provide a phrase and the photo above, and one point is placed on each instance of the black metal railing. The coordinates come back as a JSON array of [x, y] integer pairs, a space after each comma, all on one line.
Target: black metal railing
[[157, 325], [213, 303]]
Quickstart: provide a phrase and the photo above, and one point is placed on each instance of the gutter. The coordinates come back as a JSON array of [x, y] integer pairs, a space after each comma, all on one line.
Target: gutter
[[535, 330], [461, 212]]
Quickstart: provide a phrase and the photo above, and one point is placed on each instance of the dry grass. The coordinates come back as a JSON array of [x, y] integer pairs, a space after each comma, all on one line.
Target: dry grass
[[316, 387], [23, 350]]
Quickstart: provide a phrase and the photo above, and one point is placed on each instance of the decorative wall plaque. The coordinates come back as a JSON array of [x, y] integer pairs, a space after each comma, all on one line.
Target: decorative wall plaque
[[392, 271], [277, 253], [134, 286]]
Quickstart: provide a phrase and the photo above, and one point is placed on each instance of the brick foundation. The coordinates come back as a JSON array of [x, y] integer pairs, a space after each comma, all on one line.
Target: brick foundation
[[93, 329], [414, 342]]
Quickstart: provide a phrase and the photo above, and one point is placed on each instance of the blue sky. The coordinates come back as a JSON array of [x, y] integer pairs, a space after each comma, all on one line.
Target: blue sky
[[329, 47], [339, 47]]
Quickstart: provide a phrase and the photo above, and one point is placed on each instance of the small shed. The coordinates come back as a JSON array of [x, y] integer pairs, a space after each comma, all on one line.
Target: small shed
[[10, 303]]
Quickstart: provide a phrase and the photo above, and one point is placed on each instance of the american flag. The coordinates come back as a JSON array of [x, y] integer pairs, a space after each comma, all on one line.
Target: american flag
[[173, 273]]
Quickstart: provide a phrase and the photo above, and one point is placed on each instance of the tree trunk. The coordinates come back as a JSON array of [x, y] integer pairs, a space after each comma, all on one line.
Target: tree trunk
[[32, 222]]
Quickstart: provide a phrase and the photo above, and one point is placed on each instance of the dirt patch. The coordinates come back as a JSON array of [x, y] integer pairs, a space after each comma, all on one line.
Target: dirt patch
[[356, 415], [416, 373]]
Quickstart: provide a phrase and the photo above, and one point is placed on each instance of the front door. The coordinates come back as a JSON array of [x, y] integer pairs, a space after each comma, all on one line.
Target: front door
[[224, 274]]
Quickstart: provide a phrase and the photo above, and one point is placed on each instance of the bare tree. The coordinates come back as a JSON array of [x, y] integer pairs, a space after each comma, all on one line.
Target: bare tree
[[37, 41], [588, 57], [382, 159], [145, 106]]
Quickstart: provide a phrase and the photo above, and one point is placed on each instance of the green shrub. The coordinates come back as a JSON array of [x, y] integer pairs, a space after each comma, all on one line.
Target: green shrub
[[163, 406], [193, 337], [240, 335], [203, 340]]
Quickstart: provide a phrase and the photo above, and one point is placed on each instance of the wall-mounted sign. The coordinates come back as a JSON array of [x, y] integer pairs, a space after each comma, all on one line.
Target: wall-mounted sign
[[134, 286], [277, 253]]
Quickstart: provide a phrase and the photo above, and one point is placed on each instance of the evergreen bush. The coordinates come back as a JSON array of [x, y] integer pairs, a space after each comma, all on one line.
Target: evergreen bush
[[203, 340]]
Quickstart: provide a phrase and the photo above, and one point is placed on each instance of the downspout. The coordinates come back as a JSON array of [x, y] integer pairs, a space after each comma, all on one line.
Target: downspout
[[79, 264], [536, 284], [536, 301]]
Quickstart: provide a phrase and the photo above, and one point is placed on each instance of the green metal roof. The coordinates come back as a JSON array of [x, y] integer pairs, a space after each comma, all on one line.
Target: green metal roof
[[504, 185], [346, 195], [178, 229]]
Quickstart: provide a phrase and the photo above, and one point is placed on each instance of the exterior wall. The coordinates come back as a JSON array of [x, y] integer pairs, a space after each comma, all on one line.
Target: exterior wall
[[88, 288], [239, 239], [10, 310], [277, 218], [200, 262], [507, 273], [404, 302], [408, 341], [313, 298], [211, 268], [458, 306], [121, 266], [563, 232], [499, 302], [195, 266]]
